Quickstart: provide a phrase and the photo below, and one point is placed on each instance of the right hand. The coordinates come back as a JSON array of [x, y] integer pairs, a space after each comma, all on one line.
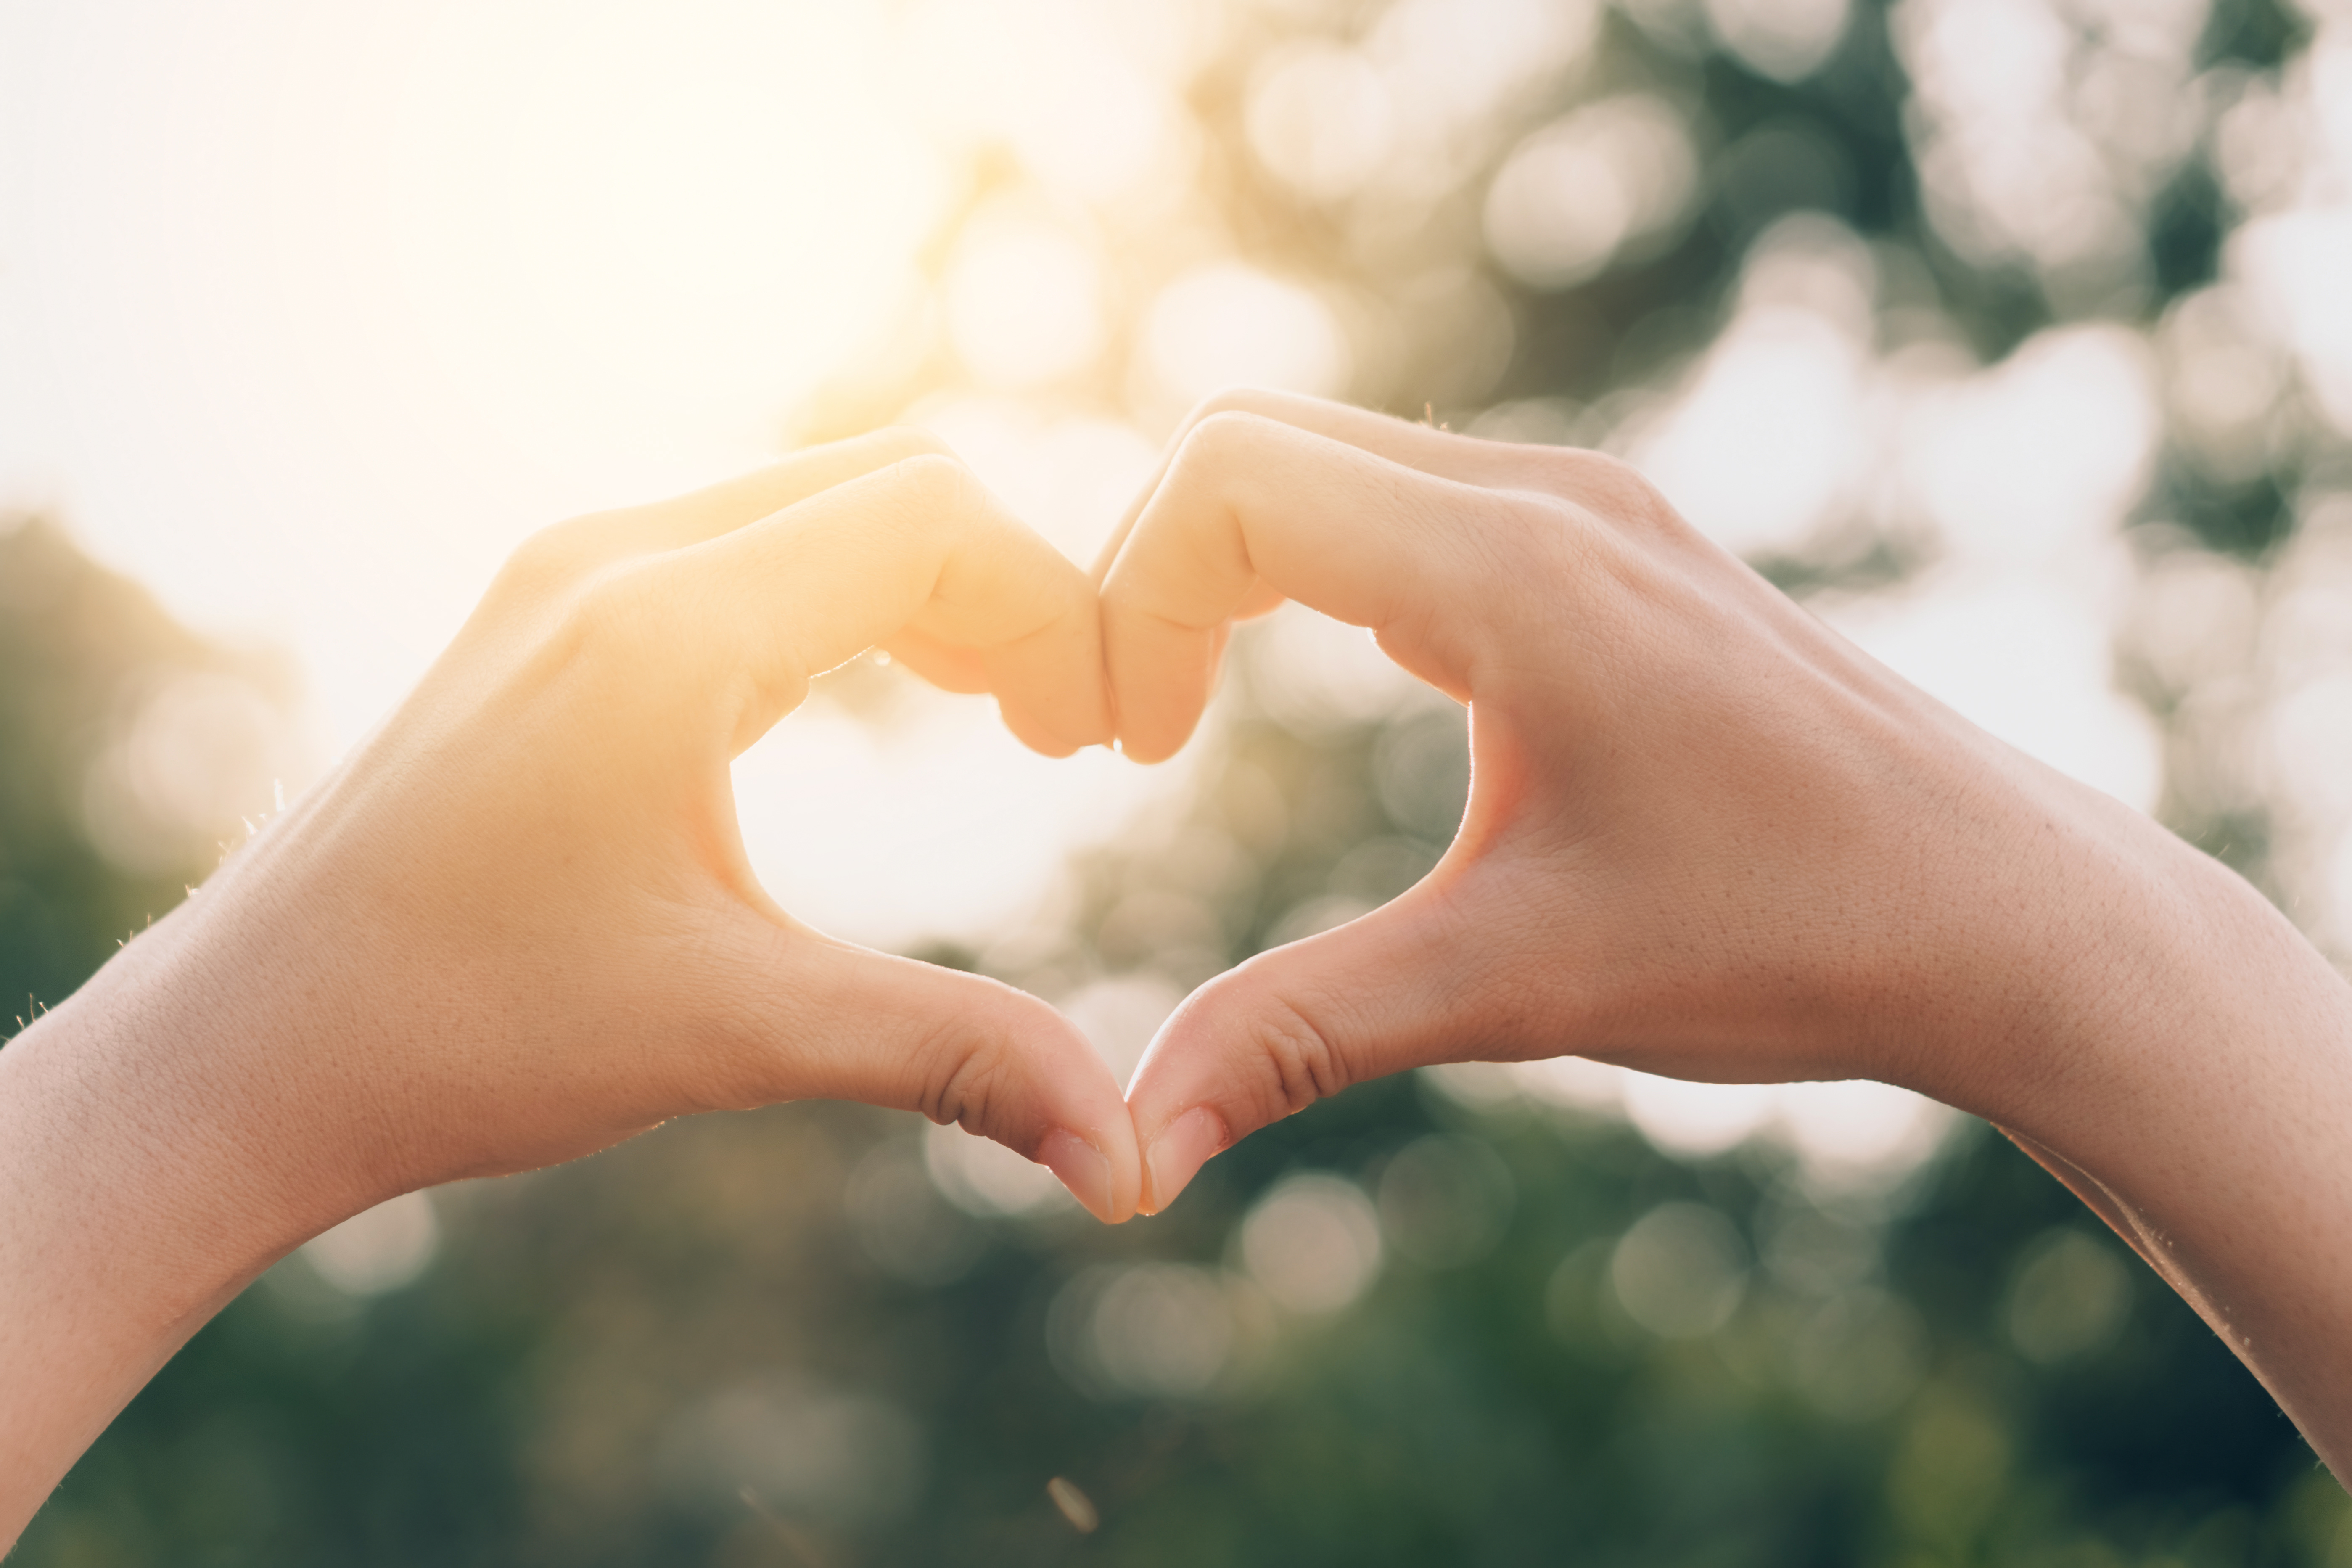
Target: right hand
[[1706, 837]]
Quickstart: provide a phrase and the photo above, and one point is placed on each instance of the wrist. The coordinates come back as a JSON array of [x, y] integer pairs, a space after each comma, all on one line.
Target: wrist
[[2130, 996], [2193, 1083], [2058, 923], [143, 1100], [128, 1224]]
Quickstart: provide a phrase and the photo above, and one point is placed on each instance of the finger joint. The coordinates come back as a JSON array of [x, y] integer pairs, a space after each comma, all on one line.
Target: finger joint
[[1304, 1064]]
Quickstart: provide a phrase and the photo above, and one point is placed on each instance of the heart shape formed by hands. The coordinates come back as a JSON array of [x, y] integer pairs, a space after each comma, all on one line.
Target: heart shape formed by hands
[[518, 923], [1705, 836]]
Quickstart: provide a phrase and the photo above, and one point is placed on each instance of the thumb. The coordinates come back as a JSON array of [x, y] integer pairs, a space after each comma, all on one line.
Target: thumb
[[866, 1026], [1395, 989]]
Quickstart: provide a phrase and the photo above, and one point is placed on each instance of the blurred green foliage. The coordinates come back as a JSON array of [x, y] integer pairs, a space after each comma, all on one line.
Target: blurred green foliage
[[768, 1338], [78, 647]]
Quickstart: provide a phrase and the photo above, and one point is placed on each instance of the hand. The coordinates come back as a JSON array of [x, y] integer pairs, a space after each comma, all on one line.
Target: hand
[[1706, 837], [1696, 839], [518, 925], [532, 874]]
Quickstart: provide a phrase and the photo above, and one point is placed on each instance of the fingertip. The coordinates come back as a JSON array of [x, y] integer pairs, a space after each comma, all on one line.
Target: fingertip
[[1175, 1155], [1032, 731], [1296, 1024], [1147, 749], [961, 1048], [1085, 1170], [1052, 730], [1051, 698], [1263, 599], [1159, 688], [1089, 1138]]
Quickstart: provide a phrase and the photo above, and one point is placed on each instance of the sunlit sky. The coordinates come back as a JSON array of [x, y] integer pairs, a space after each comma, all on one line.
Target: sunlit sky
[[314, 312], [308, 314]]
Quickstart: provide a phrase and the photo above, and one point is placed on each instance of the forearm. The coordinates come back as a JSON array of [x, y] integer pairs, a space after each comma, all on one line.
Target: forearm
[[2200, 1100], [122, 1228]]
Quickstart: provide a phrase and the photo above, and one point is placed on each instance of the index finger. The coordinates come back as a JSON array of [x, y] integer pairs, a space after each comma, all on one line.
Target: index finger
[[1439, 453], [1360, 537], [917, 544], [746, 498]]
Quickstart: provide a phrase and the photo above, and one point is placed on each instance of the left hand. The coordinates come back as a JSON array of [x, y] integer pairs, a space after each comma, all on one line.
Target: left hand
[[518, 925]]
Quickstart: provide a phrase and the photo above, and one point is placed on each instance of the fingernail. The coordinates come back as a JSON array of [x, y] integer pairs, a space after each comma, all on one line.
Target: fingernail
[[1081, 1167], [1176, 1156]]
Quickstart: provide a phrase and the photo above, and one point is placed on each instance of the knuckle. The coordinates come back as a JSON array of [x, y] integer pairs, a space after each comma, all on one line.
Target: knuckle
[[922, 501], [1218, 441], [1302, 1063], [1234, 400], [1218, 452], [619, 613], [1611, 487], [557, 555], [1593, 468], [933, 487], [1529, 536], [964, 1079], [932, 471], [1541, 550], [1228, 425]]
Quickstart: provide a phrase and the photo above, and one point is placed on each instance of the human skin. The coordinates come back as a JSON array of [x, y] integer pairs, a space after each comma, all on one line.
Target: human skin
[[517, 925], [1708, 838], [1705, 836]]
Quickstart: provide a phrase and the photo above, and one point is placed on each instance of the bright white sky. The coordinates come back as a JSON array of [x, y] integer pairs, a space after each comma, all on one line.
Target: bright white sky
[[308, 313], [313, 311]]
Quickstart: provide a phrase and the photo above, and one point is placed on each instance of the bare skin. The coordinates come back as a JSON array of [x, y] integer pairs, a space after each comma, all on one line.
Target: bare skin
[[1708, 838], [1705, 836], [518, 926]]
